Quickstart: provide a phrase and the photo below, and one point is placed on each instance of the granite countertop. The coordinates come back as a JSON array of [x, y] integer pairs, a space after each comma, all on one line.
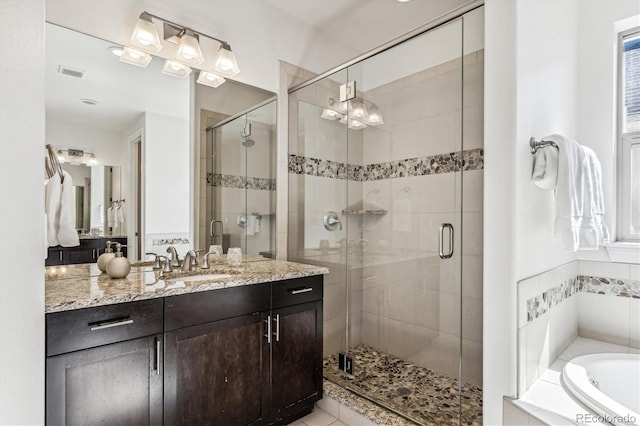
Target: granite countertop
[[82, 286]]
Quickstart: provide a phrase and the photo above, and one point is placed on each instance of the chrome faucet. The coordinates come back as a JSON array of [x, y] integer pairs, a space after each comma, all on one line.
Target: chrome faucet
[[175, 259], [212, 230], [187, 263], [167, 264], [156, 260]]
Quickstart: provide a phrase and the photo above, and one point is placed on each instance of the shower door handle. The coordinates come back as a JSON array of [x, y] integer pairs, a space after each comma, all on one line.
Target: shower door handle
[[441, 252]]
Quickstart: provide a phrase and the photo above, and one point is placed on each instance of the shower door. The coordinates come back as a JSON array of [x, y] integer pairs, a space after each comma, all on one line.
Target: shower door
[[240, 205], [376, 196]]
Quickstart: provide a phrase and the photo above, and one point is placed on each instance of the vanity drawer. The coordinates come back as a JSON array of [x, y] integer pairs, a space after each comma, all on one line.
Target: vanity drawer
[[299, 290], [85, 328], [202, 307]]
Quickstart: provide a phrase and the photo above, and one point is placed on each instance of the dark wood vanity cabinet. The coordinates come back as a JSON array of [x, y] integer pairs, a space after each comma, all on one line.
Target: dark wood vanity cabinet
[[87, 252], [247, 355], [104, 365], [244, 356]]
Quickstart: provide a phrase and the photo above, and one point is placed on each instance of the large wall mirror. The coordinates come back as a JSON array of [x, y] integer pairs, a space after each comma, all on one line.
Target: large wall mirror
[[144, 142]]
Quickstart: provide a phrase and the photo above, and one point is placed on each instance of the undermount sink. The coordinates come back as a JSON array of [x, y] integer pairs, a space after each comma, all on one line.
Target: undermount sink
[[198, 275], [205, 277]]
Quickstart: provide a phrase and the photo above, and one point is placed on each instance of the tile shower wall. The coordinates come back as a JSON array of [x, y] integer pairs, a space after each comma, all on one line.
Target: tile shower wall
[[596, 300], [243, 196], [412, 304], [401, 295]]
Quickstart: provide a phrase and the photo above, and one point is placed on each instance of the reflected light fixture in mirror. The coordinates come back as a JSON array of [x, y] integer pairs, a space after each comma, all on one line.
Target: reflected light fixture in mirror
[[135, 57], [175, 69], [145, 40], [357, 114], [145, 35], [210, 79], [76, 156]]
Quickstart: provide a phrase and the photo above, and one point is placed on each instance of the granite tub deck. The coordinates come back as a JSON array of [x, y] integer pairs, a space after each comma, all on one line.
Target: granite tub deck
[[83, 286], [422, 394]]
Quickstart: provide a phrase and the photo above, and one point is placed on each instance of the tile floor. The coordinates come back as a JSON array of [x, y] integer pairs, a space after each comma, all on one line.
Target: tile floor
[[319, 417]]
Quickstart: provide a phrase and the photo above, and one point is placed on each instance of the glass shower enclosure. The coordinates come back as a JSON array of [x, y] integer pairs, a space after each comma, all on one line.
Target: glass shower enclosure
[[241, 171], [385, 189]]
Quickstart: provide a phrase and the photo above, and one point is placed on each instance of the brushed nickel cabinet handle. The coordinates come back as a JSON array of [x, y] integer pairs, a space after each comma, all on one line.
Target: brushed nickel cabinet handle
[[277, 333], [301, 290], [109, 324], [157, 361], [268, 335]]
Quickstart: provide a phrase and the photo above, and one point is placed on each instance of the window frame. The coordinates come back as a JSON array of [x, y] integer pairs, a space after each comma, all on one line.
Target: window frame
[[623, 151]]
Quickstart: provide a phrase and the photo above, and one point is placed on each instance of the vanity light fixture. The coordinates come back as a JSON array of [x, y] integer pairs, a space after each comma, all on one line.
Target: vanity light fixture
[[145, 35], [357, 113], [329, 114], [225, 62], [189, 52], [135, 57], [145, 40], [76, 156], [176, 68], [210, 79]]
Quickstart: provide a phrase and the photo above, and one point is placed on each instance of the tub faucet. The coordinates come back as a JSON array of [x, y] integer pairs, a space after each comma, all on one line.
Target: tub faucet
[[175, 259], [187, 263]]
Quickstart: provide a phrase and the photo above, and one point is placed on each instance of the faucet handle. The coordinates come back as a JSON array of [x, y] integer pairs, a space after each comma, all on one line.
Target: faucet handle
[[167, 264], [156, 260], [194, 259]]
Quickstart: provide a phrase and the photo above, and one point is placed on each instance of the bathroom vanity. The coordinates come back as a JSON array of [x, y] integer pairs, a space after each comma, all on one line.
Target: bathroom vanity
[[165, 349], [89, 250]]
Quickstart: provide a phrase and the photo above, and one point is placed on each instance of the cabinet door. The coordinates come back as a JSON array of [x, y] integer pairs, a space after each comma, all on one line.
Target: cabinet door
[[217, 373], [54, 257], [116, 384], [79, 255], [296, 357]]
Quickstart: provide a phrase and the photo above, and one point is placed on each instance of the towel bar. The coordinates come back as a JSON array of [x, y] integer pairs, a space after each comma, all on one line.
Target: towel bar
[[535, 145]]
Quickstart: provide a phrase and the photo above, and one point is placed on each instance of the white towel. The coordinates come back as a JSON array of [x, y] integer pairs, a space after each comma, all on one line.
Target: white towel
[[579, 198], [119, 214], [111, 217], [545, 167], [67, 233], [253, 224], [53, 189], [60, 208]]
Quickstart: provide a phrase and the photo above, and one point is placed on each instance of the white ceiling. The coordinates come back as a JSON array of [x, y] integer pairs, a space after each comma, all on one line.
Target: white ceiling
[[365, 24], [123, 91]]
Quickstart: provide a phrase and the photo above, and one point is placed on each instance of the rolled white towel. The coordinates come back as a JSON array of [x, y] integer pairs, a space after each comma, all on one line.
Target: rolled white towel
[[545, 167]]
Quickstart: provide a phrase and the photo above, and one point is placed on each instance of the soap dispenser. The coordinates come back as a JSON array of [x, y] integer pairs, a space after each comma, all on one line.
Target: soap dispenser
[[105, 257], [119, 266]]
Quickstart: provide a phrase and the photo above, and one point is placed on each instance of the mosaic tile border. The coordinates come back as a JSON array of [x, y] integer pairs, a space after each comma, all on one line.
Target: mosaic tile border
[[609, 286], [472, 159], [543, 303], [170, 241], [240, 182]]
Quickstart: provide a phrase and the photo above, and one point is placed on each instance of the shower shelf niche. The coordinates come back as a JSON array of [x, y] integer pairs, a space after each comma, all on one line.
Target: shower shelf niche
[[364, 208]]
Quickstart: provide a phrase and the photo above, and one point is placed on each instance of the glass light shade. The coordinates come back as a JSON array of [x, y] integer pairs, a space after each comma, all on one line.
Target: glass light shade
[[329, 114], [210, 79], [343, 107], [375, 118], [358, 110], [175, 69], [343, 120], [189, 51], [135, 57], [145, 37], [356, 125], [225, 62]]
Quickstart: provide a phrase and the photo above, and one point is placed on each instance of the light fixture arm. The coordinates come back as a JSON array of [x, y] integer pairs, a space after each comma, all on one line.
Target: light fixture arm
[[147, 16]]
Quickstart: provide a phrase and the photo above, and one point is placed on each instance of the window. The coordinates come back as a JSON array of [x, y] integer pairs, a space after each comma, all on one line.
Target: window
[[629, 135]]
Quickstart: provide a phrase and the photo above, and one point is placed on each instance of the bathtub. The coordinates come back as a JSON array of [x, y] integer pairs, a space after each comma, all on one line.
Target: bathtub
[[609, 384]]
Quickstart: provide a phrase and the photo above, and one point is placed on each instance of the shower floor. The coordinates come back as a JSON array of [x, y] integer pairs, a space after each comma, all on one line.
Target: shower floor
[[425, 396]]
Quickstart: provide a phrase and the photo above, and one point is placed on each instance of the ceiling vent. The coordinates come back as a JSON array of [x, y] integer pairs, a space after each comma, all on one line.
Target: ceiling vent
[[71, 72]]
